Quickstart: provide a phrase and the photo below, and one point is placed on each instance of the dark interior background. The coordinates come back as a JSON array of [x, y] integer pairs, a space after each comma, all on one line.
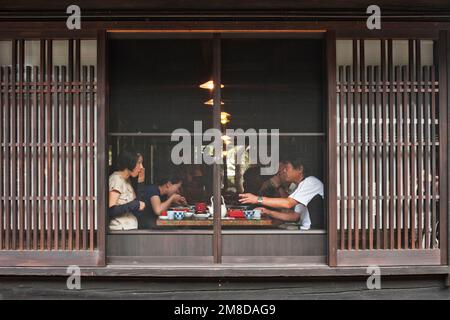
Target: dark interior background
[[268, 84]]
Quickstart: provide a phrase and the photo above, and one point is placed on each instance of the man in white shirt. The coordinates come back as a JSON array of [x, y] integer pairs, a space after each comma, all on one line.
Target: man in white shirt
[[297, 201]]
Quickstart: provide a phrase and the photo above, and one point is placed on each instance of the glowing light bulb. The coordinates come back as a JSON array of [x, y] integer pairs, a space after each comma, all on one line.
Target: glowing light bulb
[[211, 102], [224, 117], [209, 85]]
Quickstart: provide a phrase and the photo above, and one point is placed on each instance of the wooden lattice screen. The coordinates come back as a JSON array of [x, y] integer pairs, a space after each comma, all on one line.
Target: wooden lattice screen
[[389, 159], [48, 158]]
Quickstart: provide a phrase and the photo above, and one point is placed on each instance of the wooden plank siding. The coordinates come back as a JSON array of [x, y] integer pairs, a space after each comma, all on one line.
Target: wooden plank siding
[[390, 143], [48, 137]]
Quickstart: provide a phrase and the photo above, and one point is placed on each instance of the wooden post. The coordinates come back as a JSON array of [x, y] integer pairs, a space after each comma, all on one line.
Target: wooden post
[[102, 129], [217, 237], [331, 178]]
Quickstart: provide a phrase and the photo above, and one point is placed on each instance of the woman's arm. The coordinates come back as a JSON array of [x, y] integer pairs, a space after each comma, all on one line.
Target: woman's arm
[[115, 210], [158, 206]]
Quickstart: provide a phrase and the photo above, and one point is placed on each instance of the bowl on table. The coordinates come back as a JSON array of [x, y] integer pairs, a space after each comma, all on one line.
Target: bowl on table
[[201, 216], [179, 215], [188, 214], [170, 214], [249, 214], [236, 213], [201, 207]]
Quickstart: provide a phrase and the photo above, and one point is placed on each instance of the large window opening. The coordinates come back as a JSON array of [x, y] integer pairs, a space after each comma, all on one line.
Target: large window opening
[[267, 83]]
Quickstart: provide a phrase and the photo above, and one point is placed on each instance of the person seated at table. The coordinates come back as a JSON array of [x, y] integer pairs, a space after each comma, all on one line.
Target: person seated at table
[[277, 186], [160, 196], [269, 186], [123, 206], [296, 204], [195, 183]]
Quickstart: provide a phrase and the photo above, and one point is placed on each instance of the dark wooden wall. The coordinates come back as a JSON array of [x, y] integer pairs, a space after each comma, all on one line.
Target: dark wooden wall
[[173, 5]]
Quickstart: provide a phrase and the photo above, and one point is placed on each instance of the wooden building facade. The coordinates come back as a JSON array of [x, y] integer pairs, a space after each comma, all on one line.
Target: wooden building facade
[[383, 126]]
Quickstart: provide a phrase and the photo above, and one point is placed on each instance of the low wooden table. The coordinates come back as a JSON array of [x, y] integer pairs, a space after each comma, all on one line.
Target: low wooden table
[[227, 222]]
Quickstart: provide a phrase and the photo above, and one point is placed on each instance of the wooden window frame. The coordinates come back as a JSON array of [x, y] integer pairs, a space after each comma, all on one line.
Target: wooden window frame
[[100, 30]]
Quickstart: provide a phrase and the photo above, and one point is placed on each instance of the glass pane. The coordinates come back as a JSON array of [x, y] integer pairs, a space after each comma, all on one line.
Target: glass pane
[[156, 152], [271, 84], [155, 88], [155, 84]]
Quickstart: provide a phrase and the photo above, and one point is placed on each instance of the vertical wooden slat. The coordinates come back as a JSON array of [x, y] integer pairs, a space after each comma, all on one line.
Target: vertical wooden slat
[[35, 140], [20, 146], [63, 168], [385, 149], [28, 140], [92, 158], [420, 145], [84, 98], [42, 220], [77, 146], [427, 180], [13, 141], [48, 136], [56, 141], [7, 139], [392, 145], [348, 102], [2, 148], [14, 211], [377, 142], [398, 157], [363, 144], [433, 158], [406, 152], [356, 140], [370, 142], [42, 150], [70, 110], [412, 161], [444, 88], [342, 157]]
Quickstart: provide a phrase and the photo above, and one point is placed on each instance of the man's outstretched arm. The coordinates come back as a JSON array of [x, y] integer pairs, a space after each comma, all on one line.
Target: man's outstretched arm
[[281, 203]]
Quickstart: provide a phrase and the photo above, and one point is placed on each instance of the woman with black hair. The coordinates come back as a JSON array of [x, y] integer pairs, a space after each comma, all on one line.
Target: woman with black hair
[[161, 196], [123, 205]]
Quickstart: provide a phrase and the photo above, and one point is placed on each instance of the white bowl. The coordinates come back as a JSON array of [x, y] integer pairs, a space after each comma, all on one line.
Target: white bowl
[[188, 214], [201, 215]]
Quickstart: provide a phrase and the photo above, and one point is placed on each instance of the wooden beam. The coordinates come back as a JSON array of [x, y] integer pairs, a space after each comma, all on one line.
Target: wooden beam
[[389, 257], [31, 258], [232, 270]]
